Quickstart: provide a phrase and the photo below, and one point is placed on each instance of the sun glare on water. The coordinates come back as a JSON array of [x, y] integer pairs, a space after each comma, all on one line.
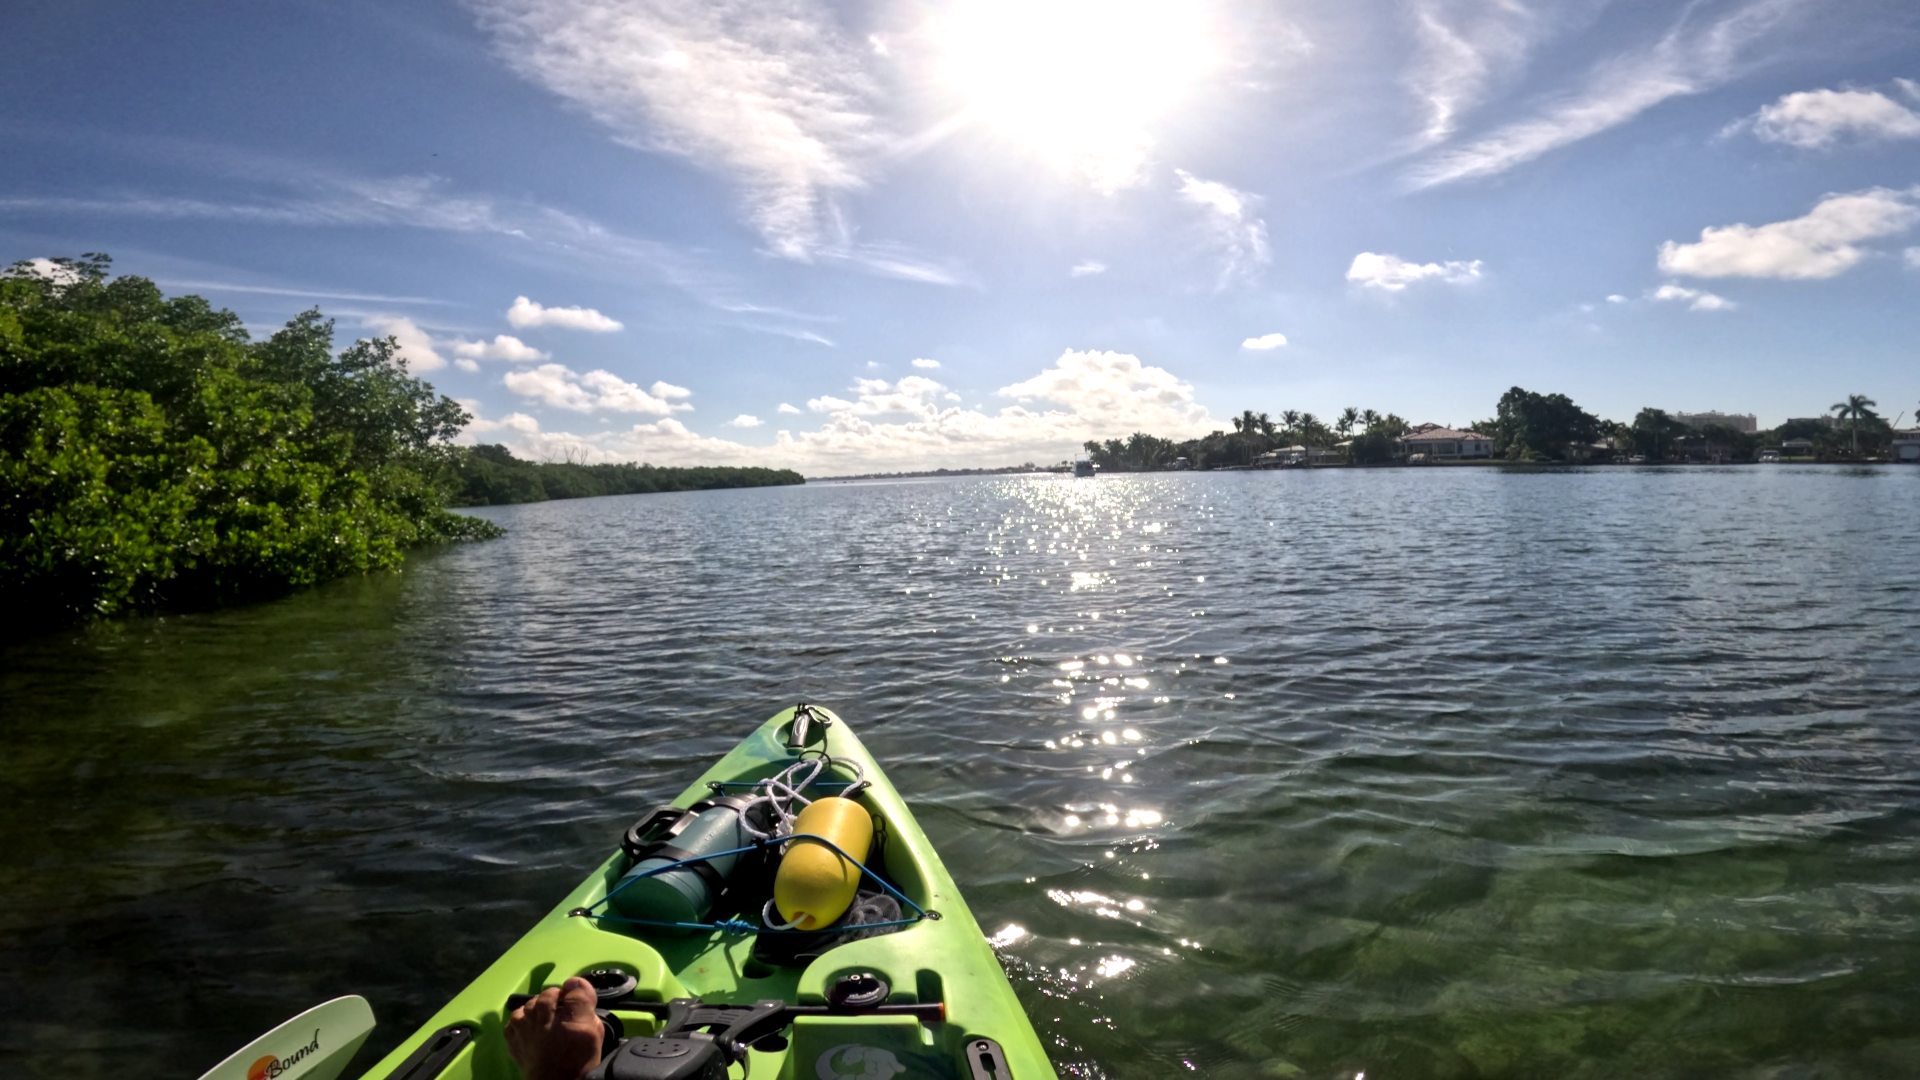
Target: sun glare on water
[[1076, 81]]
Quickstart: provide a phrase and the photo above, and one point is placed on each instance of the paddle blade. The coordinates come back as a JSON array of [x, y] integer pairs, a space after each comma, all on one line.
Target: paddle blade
[[316, 1045]]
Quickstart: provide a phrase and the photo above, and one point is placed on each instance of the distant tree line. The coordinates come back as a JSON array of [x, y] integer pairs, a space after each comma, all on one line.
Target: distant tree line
[[1526, 426], [492, 476], [1253, 434]]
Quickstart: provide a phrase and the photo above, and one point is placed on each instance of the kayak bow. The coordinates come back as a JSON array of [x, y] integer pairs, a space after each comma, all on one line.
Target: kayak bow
[[923, 995]]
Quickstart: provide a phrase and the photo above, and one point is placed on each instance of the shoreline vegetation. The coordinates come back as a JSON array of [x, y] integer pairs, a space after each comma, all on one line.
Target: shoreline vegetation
[[1527, 427], [153, 456], [492, 476]]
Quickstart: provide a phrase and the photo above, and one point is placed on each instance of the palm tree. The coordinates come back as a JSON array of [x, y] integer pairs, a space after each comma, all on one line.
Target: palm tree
[[1349, 416], [1856, 408], [1368, 418], [1248, 425], [1310, 428]]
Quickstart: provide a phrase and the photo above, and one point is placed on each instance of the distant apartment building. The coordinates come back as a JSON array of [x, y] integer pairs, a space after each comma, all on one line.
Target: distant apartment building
[[1823, 421], [1746, 422]]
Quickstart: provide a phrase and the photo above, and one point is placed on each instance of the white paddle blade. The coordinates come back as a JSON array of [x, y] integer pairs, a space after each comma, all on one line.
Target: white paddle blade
[[316, 1045]]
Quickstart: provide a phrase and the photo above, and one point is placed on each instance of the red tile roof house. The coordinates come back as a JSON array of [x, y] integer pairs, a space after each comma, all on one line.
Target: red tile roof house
[[1446, 444]]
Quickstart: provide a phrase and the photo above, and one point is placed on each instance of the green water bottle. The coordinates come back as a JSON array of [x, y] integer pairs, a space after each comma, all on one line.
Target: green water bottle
[[686, 893]]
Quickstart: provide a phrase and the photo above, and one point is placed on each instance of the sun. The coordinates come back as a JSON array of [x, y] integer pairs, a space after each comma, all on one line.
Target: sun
[[1077, 81]]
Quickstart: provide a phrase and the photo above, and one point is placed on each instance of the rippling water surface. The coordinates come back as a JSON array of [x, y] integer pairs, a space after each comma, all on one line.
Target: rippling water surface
[[1440, 773]]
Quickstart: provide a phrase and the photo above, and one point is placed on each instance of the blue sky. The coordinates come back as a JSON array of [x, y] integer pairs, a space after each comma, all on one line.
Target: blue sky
[[913, 234]]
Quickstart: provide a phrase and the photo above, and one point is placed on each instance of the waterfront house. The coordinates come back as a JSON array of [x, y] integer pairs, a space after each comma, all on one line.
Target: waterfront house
[[1445, 444], [1797, 448], [1906, 447]]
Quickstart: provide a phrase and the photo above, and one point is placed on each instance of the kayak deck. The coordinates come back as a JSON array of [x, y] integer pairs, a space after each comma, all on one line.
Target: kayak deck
[[944, 960]]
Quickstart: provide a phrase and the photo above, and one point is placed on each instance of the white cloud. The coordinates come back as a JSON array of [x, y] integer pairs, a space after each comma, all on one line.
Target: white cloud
[[1699, 301], [1616, 298], [48, 269], [888, 426], [1693, 57], [1822, 244], [1392, 273], [465, 364], [769, 93], [525, 313], [416, 346], [596, 391], [1087, 268], [1231, 223], [502, 347], [1816, 119], [786, 408], [1265, 341], [928, 364], [745, 421], [1913, 257]]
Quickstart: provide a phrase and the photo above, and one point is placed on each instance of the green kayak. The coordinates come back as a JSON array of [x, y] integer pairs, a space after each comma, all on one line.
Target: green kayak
[[702, 973]]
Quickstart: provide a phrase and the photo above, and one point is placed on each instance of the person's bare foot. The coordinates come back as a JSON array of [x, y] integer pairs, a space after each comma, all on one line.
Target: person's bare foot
[[556, 1036]]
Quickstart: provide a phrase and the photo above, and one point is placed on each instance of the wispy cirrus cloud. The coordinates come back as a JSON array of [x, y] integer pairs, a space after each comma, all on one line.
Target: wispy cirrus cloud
[[277, 290], [769, 92], [1465, 48], [1697, 54], [1231, 223]]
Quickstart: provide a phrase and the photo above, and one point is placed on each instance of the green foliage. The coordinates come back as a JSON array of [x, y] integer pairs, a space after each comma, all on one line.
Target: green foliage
[[150, 454], [1656, 435], [1373, 448], [1542, 427], [491, 476], [1138, 452]]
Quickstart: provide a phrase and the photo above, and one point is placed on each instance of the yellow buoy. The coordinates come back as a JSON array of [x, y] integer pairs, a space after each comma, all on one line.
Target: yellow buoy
[[815, 884]]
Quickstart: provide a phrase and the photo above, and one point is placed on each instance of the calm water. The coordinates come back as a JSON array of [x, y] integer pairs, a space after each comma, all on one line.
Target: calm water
[[1442, 773]]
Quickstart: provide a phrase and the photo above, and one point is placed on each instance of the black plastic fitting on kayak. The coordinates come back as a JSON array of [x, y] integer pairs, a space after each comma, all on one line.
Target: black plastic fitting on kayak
[[986, 1061], [654, 830], [860, 990], [433, 1056], [611, 984]]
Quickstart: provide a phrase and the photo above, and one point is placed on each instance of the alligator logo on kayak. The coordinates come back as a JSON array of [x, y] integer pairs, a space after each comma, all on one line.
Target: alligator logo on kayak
[[271, 1067], [851, 1061]]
